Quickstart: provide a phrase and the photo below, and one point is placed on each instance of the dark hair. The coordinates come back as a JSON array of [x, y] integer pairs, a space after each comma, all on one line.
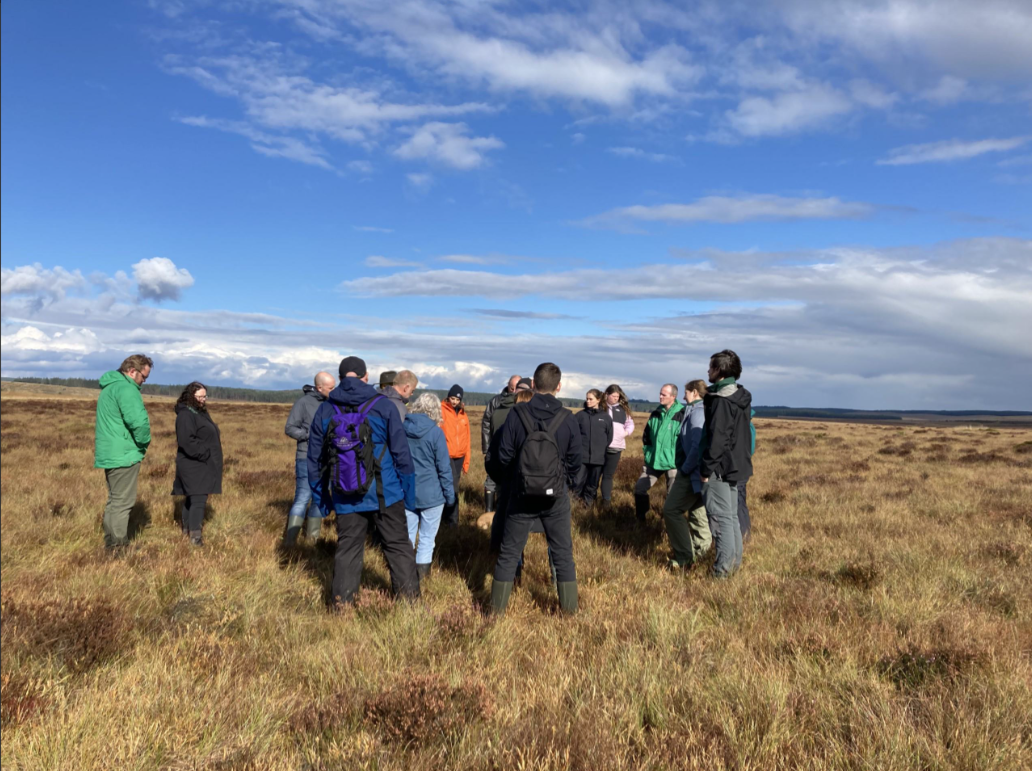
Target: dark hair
[[547, 377], [189, 396], [727, 364], [615, 389], [137, 361], [599, 397]]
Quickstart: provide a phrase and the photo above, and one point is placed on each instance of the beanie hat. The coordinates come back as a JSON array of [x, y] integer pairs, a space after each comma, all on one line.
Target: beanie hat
[[525, 384], [455, 390], [352, 364]]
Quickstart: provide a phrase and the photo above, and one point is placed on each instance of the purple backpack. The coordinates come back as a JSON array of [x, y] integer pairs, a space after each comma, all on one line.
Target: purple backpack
[[349, 449]]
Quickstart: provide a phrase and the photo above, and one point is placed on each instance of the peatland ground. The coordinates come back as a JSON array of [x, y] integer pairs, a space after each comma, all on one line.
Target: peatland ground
[[882, 619]]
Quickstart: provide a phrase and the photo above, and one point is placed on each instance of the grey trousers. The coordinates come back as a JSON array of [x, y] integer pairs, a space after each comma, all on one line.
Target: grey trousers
[[649, 476], [121, 483], [722, 508], [689, 538]]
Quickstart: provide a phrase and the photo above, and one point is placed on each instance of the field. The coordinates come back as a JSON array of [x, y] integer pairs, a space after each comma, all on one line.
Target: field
[[882, 619]]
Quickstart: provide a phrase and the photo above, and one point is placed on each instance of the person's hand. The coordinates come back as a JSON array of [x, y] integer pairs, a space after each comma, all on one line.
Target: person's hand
[[705, 480]]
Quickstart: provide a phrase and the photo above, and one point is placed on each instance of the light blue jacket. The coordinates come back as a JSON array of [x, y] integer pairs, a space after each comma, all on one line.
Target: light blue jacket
[[430, 456], [690, 440]]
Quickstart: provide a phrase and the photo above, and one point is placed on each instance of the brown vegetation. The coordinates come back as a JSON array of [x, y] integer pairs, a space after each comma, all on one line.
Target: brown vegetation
[[882, 619]]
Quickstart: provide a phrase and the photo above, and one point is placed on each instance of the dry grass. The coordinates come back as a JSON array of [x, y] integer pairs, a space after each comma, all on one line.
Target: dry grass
[[882, 620]]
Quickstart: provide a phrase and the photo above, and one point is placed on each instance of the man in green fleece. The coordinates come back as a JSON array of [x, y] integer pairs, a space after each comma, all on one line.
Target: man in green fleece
[[123, 434], [660, 445]]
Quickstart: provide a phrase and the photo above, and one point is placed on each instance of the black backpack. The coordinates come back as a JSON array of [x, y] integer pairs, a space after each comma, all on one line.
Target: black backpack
[[541, 471]]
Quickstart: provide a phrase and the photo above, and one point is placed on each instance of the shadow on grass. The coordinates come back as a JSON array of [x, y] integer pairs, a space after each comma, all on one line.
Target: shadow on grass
[[139, 519], [619, 529], [466, 551]]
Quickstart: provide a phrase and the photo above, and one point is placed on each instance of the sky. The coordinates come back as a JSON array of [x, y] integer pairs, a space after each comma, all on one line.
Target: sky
[[840, 191]]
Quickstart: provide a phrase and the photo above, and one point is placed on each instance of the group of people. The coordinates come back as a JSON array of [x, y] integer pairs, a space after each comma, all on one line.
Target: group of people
[[384, 461]]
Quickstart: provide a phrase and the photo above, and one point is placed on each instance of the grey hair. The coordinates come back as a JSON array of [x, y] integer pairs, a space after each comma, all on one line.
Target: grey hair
[[427, 404], [672, 387]]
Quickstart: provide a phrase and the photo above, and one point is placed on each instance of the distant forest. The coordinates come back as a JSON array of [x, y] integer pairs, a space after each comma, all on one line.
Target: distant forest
[[479, 399]]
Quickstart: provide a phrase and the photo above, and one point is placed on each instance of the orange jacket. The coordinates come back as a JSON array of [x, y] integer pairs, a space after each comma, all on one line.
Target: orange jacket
[[456, 431]]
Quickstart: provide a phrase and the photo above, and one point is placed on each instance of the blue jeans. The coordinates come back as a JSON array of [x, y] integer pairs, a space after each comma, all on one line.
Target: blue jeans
[[302, 492], [425, 523]]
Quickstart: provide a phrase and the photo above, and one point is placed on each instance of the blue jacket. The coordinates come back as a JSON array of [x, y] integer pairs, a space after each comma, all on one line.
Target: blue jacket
[[396, 469], [690, 444], [429, 451]]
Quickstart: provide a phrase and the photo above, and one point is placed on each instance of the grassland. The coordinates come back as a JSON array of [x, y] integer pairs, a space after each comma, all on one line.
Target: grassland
[[882, 620]]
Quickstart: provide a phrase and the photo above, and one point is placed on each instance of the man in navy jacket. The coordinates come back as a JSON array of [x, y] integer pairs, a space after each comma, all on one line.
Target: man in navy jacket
[[392, 489]]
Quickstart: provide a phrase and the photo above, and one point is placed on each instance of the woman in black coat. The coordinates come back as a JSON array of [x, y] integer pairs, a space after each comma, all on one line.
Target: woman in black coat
[[198, 459], [596, 428]]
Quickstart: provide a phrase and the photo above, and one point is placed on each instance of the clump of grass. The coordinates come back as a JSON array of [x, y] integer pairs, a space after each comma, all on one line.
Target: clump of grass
[[777, 495], [54, 508], [462, 621], [915, 667], [419, 707], [22, 698], [981, 458], [862, 575], [1010, 553], [316, 717]]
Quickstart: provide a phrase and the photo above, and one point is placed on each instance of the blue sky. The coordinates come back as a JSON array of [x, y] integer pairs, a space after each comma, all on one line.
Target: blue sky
[[840, 191]]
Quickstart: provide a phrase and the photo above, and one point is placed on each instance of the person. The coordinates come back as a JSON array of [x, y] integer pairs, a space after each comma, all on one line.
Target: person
[[540, 447], [744, 522], [386, 380], [690, 539], [623, 426], [198, 458], [726, 460], [596, 427], [456, 431], [434, 486], [501, 403], [660, 445], [390, 482], [121, 438], [400, 391], [298, 422]]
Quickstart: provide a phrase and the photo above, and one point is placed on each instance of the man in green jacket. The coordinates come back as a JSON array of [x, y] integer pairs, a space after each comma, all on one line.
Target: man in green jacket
[[123, 434], [660, 445]]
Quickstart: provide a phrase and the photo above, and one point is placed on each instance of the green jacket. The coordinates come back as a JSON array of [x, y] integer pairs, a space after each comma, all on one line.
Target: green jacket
[[123, 428], [661, 435]]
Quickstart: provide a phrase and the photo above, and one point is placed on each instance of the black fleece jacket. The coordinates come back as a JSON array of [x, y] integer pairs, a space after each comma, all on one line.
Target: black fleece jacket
[[596, 429], [727, 443], [542, 408]]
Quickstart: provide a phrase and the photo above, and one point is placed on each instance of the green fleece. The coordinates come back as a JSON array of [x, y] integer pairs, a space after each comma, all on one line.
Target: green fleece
[[123, 428], [661, 434]]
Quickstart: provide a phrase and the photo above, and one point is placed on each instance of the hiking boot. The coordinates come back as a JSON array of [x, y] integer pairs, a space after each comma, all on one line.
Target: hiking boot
[[500, 593]]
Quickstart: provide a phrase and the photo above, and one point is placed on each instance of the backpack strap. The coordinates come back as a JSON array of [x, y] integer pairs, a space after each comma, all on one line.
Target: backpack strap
[[557, 421], [368, 405], [524, 419]]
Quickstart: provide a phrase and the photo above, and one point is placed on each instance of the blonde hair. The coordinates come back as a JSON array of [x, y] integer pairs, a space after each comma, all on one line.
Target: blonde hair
[[427, 404]]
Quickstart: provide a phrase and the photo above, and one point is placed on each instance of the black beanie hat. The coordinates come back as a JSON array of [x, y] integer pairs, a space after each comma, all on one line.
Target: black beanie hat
[[352, 364], [455, 390]]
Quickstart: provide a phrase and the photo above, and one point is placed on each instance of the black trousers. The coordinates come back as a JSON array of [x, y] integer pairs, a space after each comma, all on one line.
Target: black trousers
[[450, 516], [519, 520], [589, 478], [193, 512], [608, 473], [351, 537], [743, 511]]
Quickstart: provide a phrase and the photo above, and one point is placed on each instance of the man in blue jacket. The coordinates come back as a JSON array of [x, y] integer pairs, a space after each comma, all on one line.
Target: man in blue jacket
[[390, 491]]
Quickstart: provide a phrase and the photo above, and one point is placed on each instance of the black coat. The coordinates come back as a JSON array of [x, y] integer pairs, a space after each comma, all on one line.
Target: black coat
[[596, 428], [542, 408], [727, 442], [199, 457]]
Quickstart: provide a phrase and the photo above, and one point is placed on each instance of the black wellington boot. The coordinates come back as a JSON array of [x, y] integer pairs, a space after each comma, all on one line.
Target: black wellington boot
[[489, 500], [500, 593], [423, 571]]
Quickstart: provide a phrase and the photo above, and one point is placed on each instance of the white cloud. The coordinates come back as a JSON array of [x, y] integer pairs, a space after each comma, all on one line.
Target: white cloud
[[950, 150], [637, 152], [29, 338], [360, 167], [727, 209], [158, 278], [448, 143], [1018, 160], [949, 90], [378, 261], [39, 281], [420, 181], [272, 146], [473, 259], [788, 112]]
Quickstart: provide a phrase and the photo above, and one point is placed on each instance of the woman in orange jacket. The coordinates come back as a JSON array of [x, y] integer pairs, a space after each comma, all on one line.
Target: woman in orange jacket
[[456, 431]]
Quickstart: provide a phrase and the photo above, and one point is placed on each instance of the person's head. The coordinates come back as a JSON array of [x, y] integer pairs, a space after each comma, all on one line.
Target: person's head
[[137, 367], [405, 383], [524, 395], [525, 384], [694, 390], [667, 394], [513, 381], [427, 404], [615, 396], [724, 364], [388, 378], [194, 395], [455, 396], [593, 399], [352, 366], [548, 378], [324, 383]]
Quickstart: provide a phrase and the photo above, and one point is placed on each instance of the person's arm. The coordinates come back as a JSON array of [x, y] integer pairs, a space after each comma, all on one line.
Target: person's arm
[[397, 445], [719, 425], [628, 426], [610, 430], [134, 415], [316, 438], [186, 436], [691, 461], [485, 427], [574, 457], [295, 427], [646, 438], [443, 462], [511, 435], [469, 446]]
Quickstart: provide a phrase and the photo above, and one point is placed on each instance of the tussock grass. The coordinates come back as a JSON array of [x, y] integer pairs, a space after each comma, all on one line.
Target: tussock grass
[[882, 619]]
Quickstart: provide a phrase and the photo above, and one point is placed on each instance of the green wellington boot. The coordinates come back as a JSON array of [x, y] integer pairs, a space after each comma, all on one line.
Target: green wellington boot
[[500, 593], [568, 596], [313, 529]]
